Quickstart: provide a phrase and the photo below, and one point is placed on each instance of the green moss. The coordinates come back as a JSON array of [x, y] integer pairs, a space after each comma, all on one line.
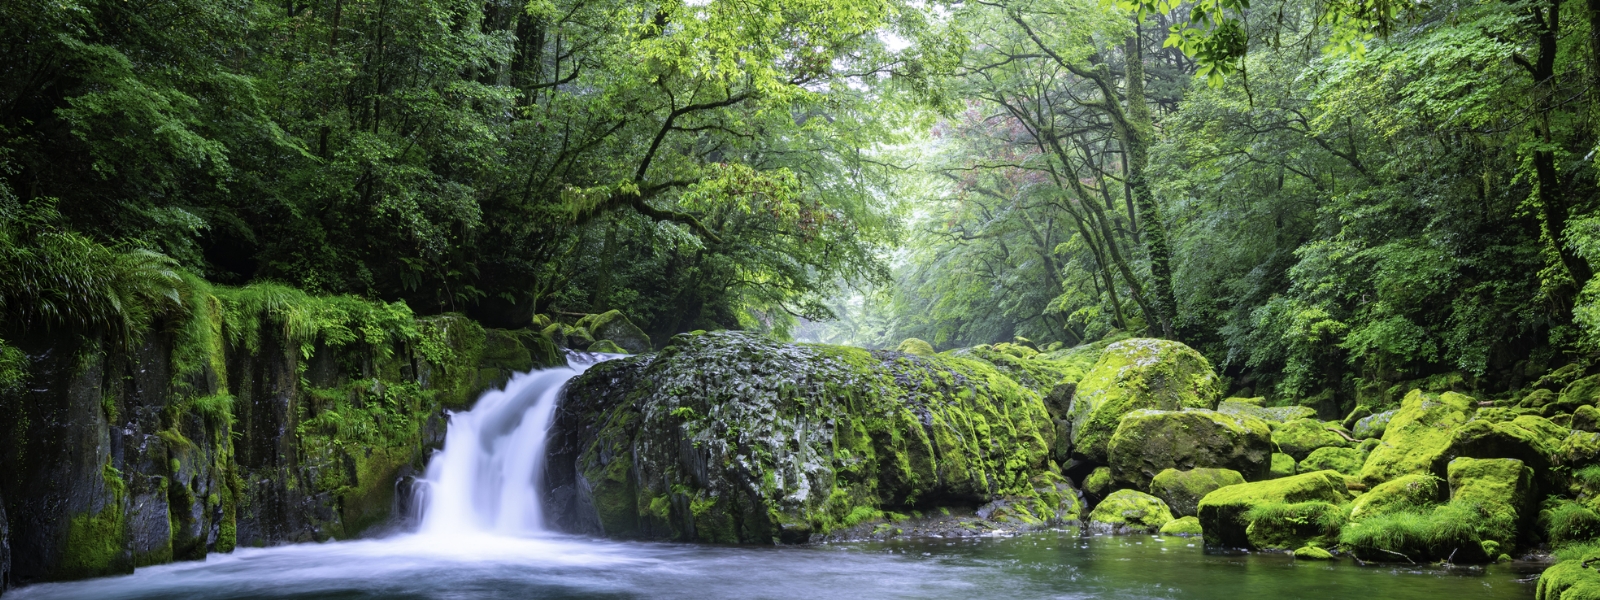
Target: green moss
[[1274, 415], [1344, 460], [606, 347], [1420, 535], [1129, 510], [1287, 525], [1182, 490], [1098, 482], [1534, 440], [1312, 553], [1298, 438], [1223, 513], [1499, 490], [1283, 465], [1150, 441], [1418, 438], [1183, 526], [916, 347], [1137, 374], [1409, 492], [1571, 579], [96, 543]]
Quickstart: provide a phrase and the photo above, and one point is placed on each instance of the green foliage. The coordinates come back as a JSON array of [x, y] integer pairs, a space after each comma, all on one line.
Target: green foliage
[[1566, 522]]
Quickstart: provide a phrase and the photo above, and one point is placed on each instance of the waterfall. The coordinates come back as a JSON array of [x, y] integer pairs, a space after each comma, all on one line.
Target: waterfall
[[484, 479]]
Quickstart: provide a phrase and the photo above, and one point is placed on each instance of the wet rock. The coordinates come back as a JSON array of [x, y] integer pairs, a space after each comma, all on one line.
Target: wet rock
[[1182, 490], [1129, 511], [1137, 374], [607, 347], [733, 437], [1312, 553], [612, 325], [1182, 526]]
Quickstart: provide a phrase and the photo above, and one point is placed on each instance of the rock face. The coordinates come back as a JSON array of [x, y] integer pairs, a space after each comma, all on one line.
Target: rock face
[[1418, 438], [731, 437], [1148, 442], [228, 427], [1129, 511], [1225, 513], [1137, 374], [1182, 490]]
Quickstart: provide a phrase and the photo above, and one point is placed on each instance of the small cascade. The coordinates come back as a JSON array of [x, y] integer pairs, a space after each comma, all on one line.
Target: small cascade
[[484, 479]]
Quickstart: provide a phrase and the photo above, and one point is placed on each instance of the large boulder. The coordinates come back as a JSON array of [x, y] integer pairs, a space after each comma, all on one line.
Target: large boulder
[[1148, 442], [1418, 438], [1372, 426], [1299, 437], [1182, 490], [611, 325], [1129, 511], [1137, 374], [734, 437], [1500, 491], [1572, 579], [1224, 512], [1533, 440], [1273, 415]]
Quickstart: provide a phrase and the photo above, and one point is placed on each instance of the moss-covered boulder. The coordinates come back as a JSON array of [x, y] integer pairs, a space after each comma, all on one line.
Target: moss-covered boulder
[[1283, 465], [733, 437], [1137, 374], [1531, 439], [1586, 418], [1418, 438], [611, 325], [1299, 437], [1344, 460], [607, 347], [1500, 490], [1273, 415], [1182, 490], [916, 346], [1224, 512], [1288, 525], [1372, 426], [1148, 442], [1182, 526], [1312, 553], [1098, 484], [1407, 492], [1129, 511], [1572, 579]]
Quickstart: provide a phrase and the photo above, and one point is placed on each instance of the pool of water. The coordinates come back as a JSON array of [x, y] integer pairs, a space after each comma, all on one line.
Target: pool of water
[[1038, 565]]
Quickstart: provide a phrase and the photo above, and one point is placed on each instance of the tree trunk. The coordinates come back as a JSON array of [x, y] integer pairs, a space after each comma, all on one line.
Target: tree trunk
[[1136, 137]]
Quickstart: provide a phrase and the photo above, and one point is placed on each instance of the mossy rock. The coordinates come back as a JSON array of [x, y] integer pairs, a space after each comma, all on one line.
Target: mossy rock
[[1418, 438], [1407, 492], [1182, 490], [607, 347], [1129, 511], [1580, 449], [1137, 374], [734, 437], [1298, 438], [1223, 512], [1571, 579], [1312, 553], [1372, 426], [916, 347], [1098, 484], [612, 325], [1344, 460], [1286, 525], [1538, 399], [1533, 440], [1182, 526], [1148, 442], [1283, 465], [1274, 415], [1500, 490], [1586, 418]]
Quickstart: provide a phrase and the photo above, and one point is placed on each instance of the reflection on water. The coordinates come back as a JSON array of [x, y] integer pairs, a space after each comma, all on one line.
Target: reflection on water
[[1041, 565]]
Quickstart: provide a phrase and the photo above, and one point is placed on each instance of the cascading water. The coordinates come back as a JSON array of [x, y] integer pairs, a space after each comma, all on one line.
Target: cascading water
[[484, 479]]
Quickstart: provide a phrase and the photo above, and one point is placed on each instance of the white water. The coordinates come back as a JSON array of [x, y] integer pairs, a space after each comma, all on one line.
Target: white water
[[485, 479]]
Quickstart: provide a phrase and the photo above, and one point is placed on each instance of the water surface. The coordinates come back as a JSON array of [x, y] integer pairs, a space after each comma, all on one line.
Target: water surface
[[1039, 565]]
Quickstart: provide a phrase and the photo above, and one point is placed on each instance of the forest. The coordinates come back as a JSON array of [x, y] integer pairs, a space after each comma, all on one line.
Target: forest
[[1333, 202]]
